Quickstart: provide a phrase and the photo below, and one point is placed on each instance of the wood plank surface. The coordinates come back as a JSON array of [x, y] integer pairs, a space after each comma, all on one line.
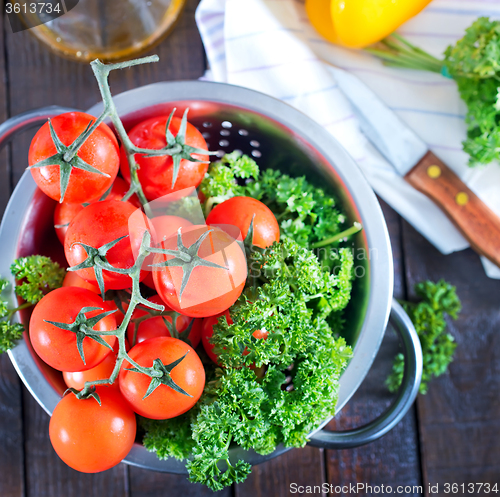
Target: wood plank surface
[[144, 483], [280, 476], [460, 416], [5, 165], [11, 413], [11, 431], [394, 459], [38, 78]]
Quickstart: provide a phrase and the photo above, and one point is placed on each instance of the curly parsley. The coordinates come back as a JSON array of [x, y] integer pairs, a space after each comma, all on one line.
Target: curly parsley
[[36, 276], [428, 317], [292, 301], [474, 63]]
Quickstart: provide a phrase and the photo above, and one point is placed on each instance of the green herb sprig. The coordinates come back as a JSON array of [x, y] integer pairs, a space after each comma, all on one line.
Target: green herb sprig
[[474, 63], [36, 276], [428, 316]]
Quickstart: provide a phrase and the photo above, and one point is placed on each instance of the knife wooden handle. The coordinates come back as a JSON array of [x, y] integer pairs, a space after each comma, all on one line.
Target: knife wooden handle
[[477, 222]]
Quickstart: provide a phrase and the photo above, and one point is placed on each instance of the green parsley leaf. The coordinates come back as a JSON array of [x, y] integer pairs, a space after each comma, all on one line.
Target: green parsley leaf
[[275, 390], [169, 437], [428, 317], [221, 184], [37, 275], [474, 63], [10, 333]]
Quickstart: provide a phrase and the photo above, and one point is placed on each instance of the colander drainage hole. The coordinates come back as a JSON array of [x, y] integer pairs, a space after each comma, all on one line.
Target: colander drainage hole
[[256, 153], [207, 124], [243, 132], [224, 143], [226, 124]]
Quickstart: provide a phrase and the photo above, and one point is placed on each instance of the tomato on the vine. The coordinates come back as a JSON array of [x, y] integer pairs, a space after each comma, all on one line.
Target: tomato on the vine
[[57, 346], [90, 437], [239, 212], [167, 226], [164, 402], [156, 173], [99, 153], [205, 277], [99, 224]]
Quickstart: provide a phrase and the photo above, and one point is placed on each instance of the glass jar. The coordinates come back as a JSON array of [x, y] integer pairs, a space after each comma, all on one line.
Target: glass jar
[[110, 30]]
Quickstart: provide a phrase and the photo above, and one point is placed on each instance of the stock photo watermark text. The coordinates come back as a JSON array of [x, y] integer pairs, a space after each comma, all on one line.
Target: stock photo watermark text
[[367, 489]]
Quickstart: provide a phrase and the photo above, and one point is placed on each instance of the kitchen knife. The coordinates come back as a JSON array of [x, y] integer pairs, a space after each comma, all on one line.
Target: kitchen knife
[[421, 168]]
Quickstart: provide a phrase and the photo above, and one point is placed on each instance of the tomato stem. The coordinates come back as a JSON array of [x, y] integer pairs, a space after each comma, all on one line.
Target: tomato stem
[[175, 145], [135, 299]]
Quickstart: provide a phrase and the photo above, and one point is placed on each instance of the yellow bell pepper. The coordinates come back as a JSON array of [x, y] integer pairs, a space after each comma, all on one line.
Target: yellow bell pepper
[[358, 23]]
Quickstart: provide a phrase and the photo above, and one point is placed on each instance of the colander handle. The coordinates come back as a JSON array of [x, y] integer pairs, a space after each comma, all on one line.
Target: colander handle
[[407, 393], [28, 119]]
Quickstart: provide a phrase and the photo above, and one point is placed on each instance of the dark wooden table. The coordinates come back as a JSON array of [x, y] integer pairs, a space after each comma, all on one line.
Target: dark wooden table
[[452, 435]]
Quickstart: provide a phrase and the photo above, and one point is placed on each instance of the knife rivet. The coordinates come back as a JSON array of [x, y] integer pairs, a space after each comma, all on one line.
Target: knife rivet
[[462, 198], [434, 171]]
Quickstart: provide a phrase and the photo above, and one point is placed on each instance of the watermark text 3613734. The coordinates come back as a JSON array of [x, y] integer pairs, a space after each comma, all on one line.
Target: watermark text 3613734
[[27, 14]]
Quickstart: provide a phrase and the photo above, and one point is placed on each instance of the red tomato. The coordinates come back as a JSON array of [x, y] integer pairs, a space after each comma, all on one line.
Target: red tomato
[[209, 290], [72, 279], [148, 281], [155, 173], [58, 347], [103, 370], [207, 331], [167, 226], [100, 151], [239, 211], [164, 402], [65, 212], [155, 326], [90, 437], [101, 223], [195, 335]]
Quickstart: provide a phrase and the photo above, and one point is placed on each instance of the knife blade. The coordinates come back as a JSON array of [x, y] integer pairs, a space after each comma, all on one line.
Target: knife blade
[[410, 156]]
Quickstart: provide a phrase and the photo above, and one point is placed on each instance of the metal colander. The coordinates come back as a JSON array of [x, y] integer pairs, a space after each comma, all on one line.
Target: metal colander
[[276, 136]]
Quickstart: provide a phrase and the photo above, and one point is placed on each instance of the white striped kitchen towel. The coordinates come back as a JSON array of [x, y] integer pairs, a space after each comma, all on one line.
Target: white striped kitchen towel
[[270, 46]]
